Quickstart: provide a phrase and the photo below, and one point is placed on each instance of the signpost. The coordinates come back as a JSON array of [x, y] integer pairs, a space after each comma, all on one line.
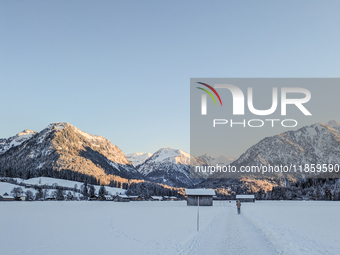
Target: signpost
[[198, 214]]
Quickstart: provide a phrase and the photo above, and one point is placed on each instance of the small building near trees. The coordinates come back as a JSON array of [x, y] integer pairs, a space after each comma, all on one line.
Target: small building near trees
[[156, 198], [108, 197], [93, 198], [6, 197], [245, 198], [20, 198], [136, 198], [204, 196], [122, 198]]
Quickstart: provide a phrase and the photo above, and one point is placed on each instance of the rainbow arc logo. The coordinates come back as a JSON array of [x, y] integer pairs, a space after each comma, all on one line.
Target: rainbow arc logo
[[209, 93]]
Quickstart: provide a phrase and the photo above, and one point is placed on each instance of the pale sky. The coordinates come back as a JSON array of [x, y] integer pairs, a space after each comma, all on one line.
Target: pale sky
[[122, 69]]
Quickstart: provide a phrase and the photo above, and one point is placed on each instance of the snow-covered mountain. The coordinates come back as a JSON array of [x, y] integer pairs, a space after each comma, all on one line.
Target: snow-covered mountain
[[169, 166], [6, 144], [315, 144], [138, 158], [221, 160], [63, 151]]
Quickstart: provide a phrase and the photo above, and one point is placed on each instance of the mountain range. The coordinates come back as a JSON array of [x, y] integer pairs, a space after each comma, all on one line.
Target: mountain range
[[169, 166], [64, 151], [315, 144]]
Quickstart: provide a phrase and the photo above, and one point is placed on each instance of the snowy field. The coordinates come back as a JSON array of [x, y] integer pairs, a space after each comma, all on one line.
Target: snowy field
[[268, 227]]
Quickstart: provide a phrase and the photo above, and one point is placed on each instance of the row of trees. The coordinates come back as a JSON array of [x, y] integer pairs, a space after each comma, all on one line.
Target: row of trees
[[65, 174], [88, 191], [313, 189], [147, 189], [18, 192], [118, 184], [301, 189]]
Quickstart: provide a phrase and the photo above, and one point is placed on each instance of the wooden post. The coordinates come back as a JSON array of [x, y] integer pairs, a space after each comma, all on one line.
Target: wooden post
[[198, 213]]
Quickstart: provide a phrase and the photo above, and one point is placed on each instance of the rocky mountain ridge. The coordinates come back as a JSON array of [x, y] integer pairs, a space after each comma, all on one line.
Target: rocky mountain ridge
[[170, 166], [62, 149]]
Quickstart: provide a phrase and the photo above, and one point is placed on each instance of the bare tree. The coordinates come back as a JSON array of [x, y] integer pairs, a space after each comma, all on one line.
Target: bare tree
[[17, 192]]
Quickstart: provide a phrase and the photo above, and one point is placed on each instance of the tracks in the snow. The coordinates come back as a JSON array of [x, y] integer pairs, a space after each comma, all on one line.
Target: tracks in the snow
[[229, 233]]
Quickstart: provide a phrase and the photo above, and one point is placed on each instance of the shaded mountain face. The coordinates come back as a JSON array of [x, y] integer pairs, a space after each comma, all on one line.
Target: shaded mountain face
[[60, 147], [138, 158], [169, 166], [315, 144]]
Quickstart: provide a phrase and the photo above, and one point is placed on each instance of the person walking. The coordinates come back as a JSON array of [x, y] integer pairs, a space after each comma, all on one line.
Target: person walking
[[238, 204]]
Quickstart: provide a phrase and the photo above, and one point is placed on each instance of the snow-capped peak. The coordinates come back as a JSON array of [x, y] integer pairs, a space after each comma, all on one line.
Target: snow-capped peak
[[314, 144], [27, 132], [61, 145], [173, 155], [169, 166], [57, 125], [138, 158], [6, 144]]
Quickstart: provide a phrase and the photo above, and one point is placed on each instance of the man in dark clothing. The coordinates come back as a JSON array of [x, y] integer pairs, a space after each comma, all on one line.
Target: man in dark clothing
[[238, 204]]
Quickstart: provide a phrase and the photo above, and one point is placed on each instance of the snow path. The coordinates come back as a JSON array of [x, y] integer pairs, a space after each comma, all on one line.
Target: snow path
[[229, 233]]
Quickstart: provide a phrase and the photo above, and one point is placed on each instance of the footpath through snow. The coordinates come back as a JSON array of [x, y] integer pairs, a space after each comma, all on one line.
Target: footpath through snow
[[229, 233], [270, 227]]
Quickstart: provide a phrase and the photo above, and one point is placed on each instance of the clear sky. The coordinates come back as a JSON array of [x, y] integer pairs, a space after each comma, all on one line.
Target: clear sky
[[122, 69]]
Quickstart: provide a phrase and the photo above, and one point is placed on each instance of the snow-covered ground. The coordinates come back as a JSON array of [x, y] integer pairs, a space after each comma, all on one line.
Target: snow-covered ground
[[283, 227]]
